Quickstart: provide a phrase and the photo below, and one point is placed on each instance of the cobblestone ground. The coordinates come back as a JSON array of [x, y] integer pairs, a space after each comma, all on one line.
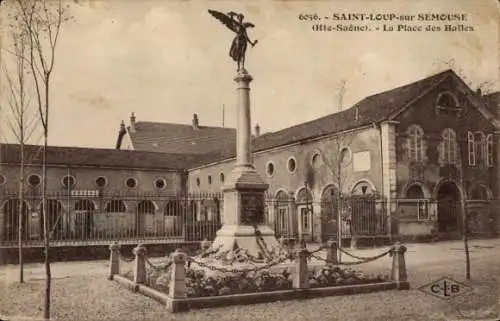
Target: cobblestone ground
[[89, 296]]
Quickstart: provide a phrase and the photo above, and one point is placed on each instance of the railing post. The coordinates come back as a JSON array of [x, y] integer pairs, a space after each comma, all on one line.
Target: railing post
[[205, 245], [281, 241], [301, 274], [140, 264], [114, 260], [177, 290], [332, 252], [398, 273]]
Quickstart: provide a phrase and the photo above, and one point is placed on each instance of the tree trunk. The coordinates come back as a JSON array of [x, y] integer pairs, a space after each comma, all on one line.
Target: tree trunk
[[48, 230], [339, 224], [48, 277], [466, 243], [21, 213]]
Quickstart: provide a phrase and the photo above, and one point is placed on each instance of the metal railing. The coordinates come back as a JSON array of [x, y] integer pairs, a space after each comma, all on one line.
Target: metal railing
[[192, 217]]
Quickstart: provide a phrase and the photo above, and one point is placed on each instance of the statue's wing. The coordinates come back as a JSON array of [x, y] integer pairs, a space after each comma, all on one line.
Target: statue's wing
[[226, 20], [248, 24]]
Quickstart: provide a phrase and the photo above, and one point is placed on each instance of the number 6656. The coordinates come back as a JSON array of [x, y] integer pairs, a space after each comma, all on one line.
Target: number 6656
[[303, 16]]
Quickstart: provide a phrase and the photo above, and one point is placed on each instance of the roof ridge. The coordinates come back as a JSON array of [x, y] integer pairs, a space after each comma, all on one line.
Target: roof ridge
[[184, 125], [408, 84], [350, 109], [112, 150]]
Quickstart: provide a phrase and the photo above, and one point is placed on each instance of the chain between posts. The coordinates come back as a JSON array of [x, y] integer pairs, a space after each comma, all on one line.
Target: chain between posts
[[289, 256], [369, 258], [160, 267], [362, 259]]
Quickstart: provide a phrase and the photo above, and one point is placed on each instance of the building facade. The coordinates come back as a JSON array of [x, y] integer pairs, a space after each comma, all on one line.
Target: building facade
[[418, 160], [427, 151], [92, 193]]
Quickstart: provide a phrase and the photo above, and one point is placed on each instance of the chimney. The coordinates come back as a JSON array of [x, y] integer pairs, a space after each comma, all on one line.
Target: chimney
[[356, 116], [121, 133], [122, 127], [479, 92], [196, 123], [132, 122], [257, 130]]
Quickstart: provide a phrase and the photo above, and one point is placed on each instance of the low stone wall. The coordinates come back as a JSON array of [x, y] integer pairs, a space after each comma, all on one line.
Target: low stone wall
[[81, 253], [177, 299]]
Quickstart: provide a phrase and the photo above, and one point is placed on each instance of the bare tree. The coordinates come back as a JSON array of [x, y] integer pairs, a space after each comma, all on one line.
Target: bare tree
[[334, 155], [39, 22], [22, 122]]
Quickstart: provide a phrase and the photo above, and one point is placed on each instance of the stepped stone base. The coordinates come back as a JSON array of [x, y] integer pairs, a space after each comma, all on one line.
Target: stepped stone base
[[231, 237]]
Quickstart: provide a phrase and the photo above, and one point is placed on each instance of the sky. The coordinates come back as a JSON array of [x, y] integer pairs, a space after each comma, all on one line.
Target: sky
[[167, 59]]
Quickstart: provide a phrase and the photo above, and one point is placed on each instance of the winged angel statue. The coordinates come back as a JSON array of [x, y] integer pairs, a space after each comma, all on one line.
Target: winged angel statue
[[239, 45]]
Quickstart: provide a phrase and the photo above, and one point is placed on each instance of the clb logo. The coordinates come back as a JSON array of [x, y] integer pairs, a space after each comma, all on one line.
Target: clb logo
[[445, 288]]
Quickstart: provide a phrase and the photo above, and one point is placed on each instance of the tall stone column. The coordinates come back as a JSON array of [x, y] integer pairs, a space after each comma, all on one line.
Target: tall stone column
[[244, 189], [244, 152]]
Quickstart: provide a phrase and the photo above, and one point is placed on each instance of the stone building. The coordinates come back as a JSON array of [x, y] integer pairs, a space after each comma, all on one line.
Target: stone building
[[424, 152], [92, 193], [411, 161]]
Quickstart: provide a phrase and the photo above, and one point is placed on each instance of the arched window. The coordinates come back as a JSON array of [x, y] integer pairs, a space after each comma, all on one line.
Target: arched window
[[304, 196], [84, 205], [362, 188], [480, 149], [447, 104], [345, 156], [446, 100], [471, 147], [304, 209], [449, 146], [478, 192], [146, 207], [415, 143], [282, 220], [489, 150], [414, 192], [116, 206]]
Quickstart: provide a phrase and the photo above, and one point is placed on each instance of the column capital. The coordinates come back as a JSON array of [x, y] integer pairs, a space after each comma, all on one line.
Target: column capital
[[243, 78]]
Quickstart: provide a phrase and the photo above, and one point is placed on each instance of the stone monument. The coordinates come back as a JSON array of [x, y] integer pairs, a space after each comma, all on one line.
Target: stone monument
[[244, 222]]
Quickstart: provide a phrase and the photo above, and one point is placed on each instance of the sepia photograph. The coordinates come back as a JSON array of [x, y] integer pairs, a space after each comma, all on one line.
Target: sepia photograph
[[250, 160]]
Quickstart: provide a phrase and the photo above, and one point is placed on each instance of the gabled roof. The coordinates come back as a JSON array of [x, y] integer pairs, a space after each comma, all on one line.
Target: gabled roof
[[372, 109], [76, 156], [180, 138], [492, 102]]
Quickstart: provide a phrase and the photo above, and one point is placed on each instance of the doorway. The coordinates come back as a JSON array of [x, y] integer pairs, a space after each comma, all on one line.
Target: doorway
[[449, 211]]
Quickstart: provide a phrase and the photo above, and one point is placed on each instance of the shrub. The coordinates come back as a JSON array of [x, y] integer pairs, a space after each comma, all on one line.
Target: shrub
[[331, 276], [201, 284]]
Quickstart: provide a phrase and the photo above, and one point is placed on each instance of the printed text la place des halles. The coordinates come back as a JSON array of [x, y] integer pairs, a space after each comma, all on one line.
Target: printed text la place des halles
[[388, 22]]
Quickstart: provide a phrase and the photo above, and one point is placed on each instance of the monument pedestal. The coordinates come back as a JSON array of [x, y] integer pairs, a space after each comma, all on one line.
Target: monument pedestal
[[244, 221]]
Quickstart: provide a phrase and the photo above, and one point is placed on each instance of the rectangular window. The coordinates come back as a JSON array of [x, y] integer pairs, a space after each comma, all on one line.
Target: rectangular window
[[471, 149], [305, 220], [423, 210], [283, 221], [412, 152], [418, 149], [480, 149], [489, 150], [453, 152], [446, 151]]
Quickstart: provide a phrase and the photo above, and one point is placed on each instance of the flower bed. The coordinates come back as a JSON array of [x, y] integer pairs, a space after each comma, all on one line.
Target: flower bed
[[201, 284]]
